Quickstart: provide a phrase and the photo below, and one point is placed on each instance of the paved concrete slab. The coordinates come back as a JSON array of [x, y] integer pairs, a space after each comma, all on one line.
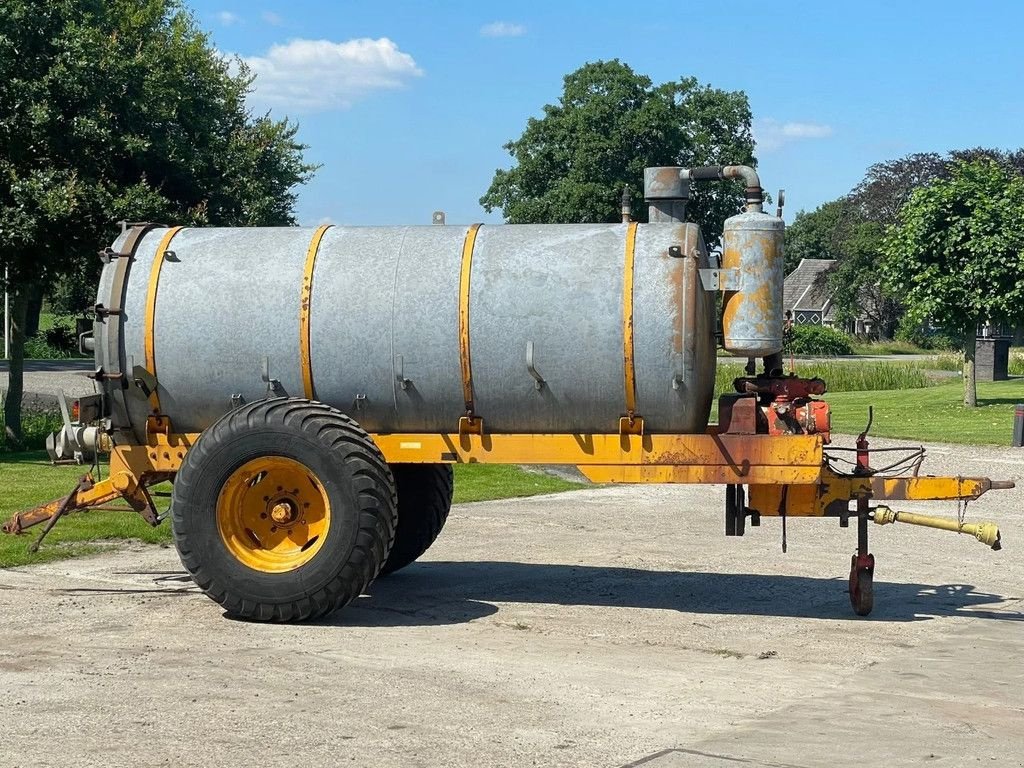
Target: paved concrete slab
[[605, 627]]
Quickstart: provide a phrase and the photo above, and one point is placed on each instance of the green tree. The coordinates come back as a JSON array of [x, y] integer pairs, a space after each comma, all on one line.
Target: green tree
[[814, 235], [869, 210], [956, 253], [121, 109], [572, 164]]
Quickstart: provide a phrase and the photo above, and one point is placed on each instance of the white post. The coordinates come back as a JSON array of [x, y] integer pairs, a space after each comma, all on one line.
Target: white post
[[7, 318]]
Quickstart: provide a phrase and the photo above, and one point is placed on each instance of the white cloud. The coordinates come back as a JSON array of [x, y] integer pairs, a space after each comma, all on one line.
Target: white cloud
[[227, 18], [502, 29], [272, 18], [771, 134], [320, 75]]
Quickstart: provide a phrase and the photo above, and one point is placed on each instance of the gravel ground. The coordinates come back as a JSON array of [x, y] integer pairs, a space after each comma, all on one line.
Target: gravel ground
[[604, 627]]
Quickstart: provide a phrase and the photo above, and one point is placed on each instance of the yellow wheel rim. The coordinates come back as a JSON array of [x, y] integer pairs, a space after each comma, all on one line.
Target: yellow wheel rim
[[273, 514]]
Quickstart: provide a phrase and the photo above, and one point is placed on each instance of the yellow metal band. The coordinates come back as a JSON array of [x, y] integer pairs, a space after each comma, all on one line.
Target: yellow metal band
[[154, 284], [305, 302], [629, 366], [464, 358]]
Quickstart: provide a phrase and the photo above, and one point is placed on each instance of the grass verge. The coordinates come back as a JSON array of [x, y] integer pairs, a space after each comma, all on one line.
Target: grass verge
[[887, 348], [28, 479], [853, 376], [932, 414]]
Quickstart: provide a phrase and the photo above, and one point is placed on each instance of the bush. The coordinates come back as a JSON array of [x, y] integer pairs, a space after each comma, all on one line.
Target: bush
[[57, 342], [818, 340], [1016, 367], [925, 338], [35, 427], [37, 348]]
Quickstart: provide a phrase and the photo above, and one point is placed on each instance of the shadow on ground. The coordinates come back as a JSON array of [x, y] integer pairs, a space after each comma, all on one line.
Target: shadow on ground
[[440, 593], [433, 593]]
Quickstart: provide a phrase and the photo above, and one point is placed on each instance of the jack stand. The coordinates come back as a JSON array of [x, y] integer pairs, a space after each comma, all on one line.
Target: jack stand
[[862, 566]]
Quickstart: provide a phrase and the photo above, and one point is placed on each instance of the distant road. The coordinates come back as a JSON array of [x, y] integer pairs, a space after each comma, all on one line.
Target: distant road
[[54, 366], [45, 378]]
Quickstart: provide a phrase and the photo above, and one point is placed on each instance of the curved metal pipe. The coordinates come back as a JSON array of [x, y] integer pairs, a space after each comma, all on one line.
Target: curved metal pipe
[[755, 194]]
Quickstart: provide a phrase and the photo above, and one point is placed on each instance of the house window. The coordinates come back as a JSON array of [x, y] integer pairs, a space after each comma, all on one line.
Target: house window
[[807, 317]]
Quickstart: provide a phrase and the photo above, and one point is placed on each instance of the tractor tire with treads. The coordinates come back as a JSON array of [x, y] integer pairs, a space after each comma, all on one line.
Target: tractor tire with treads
[[284, 510], [424, 500]]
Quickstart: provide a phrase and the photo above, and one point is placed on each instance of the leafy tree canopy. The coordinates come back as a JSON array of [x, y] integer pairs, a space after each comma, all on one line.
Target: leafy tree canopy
[[116, 109], [571, 164], [956, 254], [851, 230], [957, 251], [122, 109], [815, 235]]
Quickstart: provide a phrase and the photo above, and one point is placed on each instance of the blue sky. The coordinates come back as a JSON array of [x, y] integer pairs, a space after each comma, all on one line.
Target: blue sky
[[407, 104]]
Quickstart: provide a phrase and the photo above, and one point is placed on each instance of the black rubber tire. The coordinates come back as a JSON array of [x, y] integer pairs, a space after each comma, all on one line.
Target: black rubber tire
[[424, 500], [862, 589], [348, 466]]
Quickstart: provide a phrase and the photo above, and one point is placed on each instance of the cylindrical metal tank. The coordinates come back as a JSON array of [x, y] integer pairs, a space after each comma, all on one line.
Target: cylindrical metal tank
[[752, 317], [543, 318]]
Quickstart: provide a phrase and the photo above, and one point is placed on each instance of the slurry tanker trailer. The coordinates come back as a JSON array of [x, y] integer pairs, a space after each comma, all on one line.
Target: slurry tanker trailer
[[308, 390]]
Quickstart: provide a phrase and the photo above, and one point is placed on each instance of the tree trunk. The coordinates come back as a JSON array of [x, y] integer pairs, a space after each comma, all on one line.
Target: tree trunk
[[16, 370], [34, 309], [970, 381]]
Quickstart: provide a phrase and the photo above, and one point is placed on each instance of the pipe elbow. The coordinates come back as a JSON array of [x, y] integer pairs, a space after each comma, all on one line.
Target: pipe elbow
[[746, 174]]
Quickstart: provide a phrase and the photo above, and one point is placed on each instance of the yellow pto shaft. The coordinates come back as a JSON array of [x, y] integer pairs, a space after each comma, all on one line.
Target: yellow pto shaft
[[986, 533]]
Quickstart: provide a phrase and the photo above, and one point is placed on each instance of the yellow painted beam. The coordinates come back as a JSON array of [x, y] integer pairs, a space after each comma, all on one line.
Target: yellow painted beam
[[150, 327], [465, 358], [628, 358], [741, 452], [813, 499], [305, 310], [701, 474]]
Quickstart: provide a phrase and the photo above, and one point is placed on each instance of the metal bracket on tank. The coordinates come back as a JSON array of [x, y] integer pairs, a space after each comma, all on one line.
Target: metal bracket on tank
[[532, 369], [720, 279], [144, 381], [400, 373], [471, 425], [273, 385], [631, 425]]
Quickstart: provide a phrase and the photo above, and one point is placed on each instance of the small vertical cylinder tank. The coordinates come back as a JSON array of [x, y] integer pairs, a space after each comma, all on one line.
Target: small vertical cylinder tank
[[752, 319]]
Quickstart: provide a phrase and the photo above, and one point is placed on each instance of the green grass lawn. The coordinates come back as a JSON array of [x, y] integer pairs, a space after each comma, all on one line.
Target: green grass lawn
[[28, 479], [934, 413]]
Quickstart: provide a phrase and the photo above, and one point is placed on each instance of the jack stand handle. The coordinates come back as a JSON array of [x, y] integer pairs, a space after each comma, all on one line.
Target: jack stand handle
[[62, 510], [863, 437]]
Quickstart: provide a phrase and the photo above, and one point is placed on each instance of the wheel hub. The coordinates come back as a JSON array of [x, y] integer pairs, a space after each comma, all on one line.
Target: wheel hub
[[273, 514], [284, 512]]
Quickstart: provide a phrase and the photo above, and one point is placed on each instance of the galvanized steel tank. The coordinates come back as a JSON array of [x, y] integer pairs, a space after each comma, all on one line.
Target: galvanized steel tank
[[384, 326]]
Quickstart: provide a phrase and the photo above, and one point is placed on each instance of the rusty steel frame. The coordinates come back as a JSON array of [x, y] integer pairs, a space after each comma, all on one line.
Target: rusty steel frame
[[787, 474]]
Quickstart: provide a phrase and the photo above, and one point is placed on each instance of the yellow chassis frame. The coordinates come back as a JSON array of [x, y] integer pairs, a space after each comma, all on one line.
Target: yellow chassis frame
[[786, 474]]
